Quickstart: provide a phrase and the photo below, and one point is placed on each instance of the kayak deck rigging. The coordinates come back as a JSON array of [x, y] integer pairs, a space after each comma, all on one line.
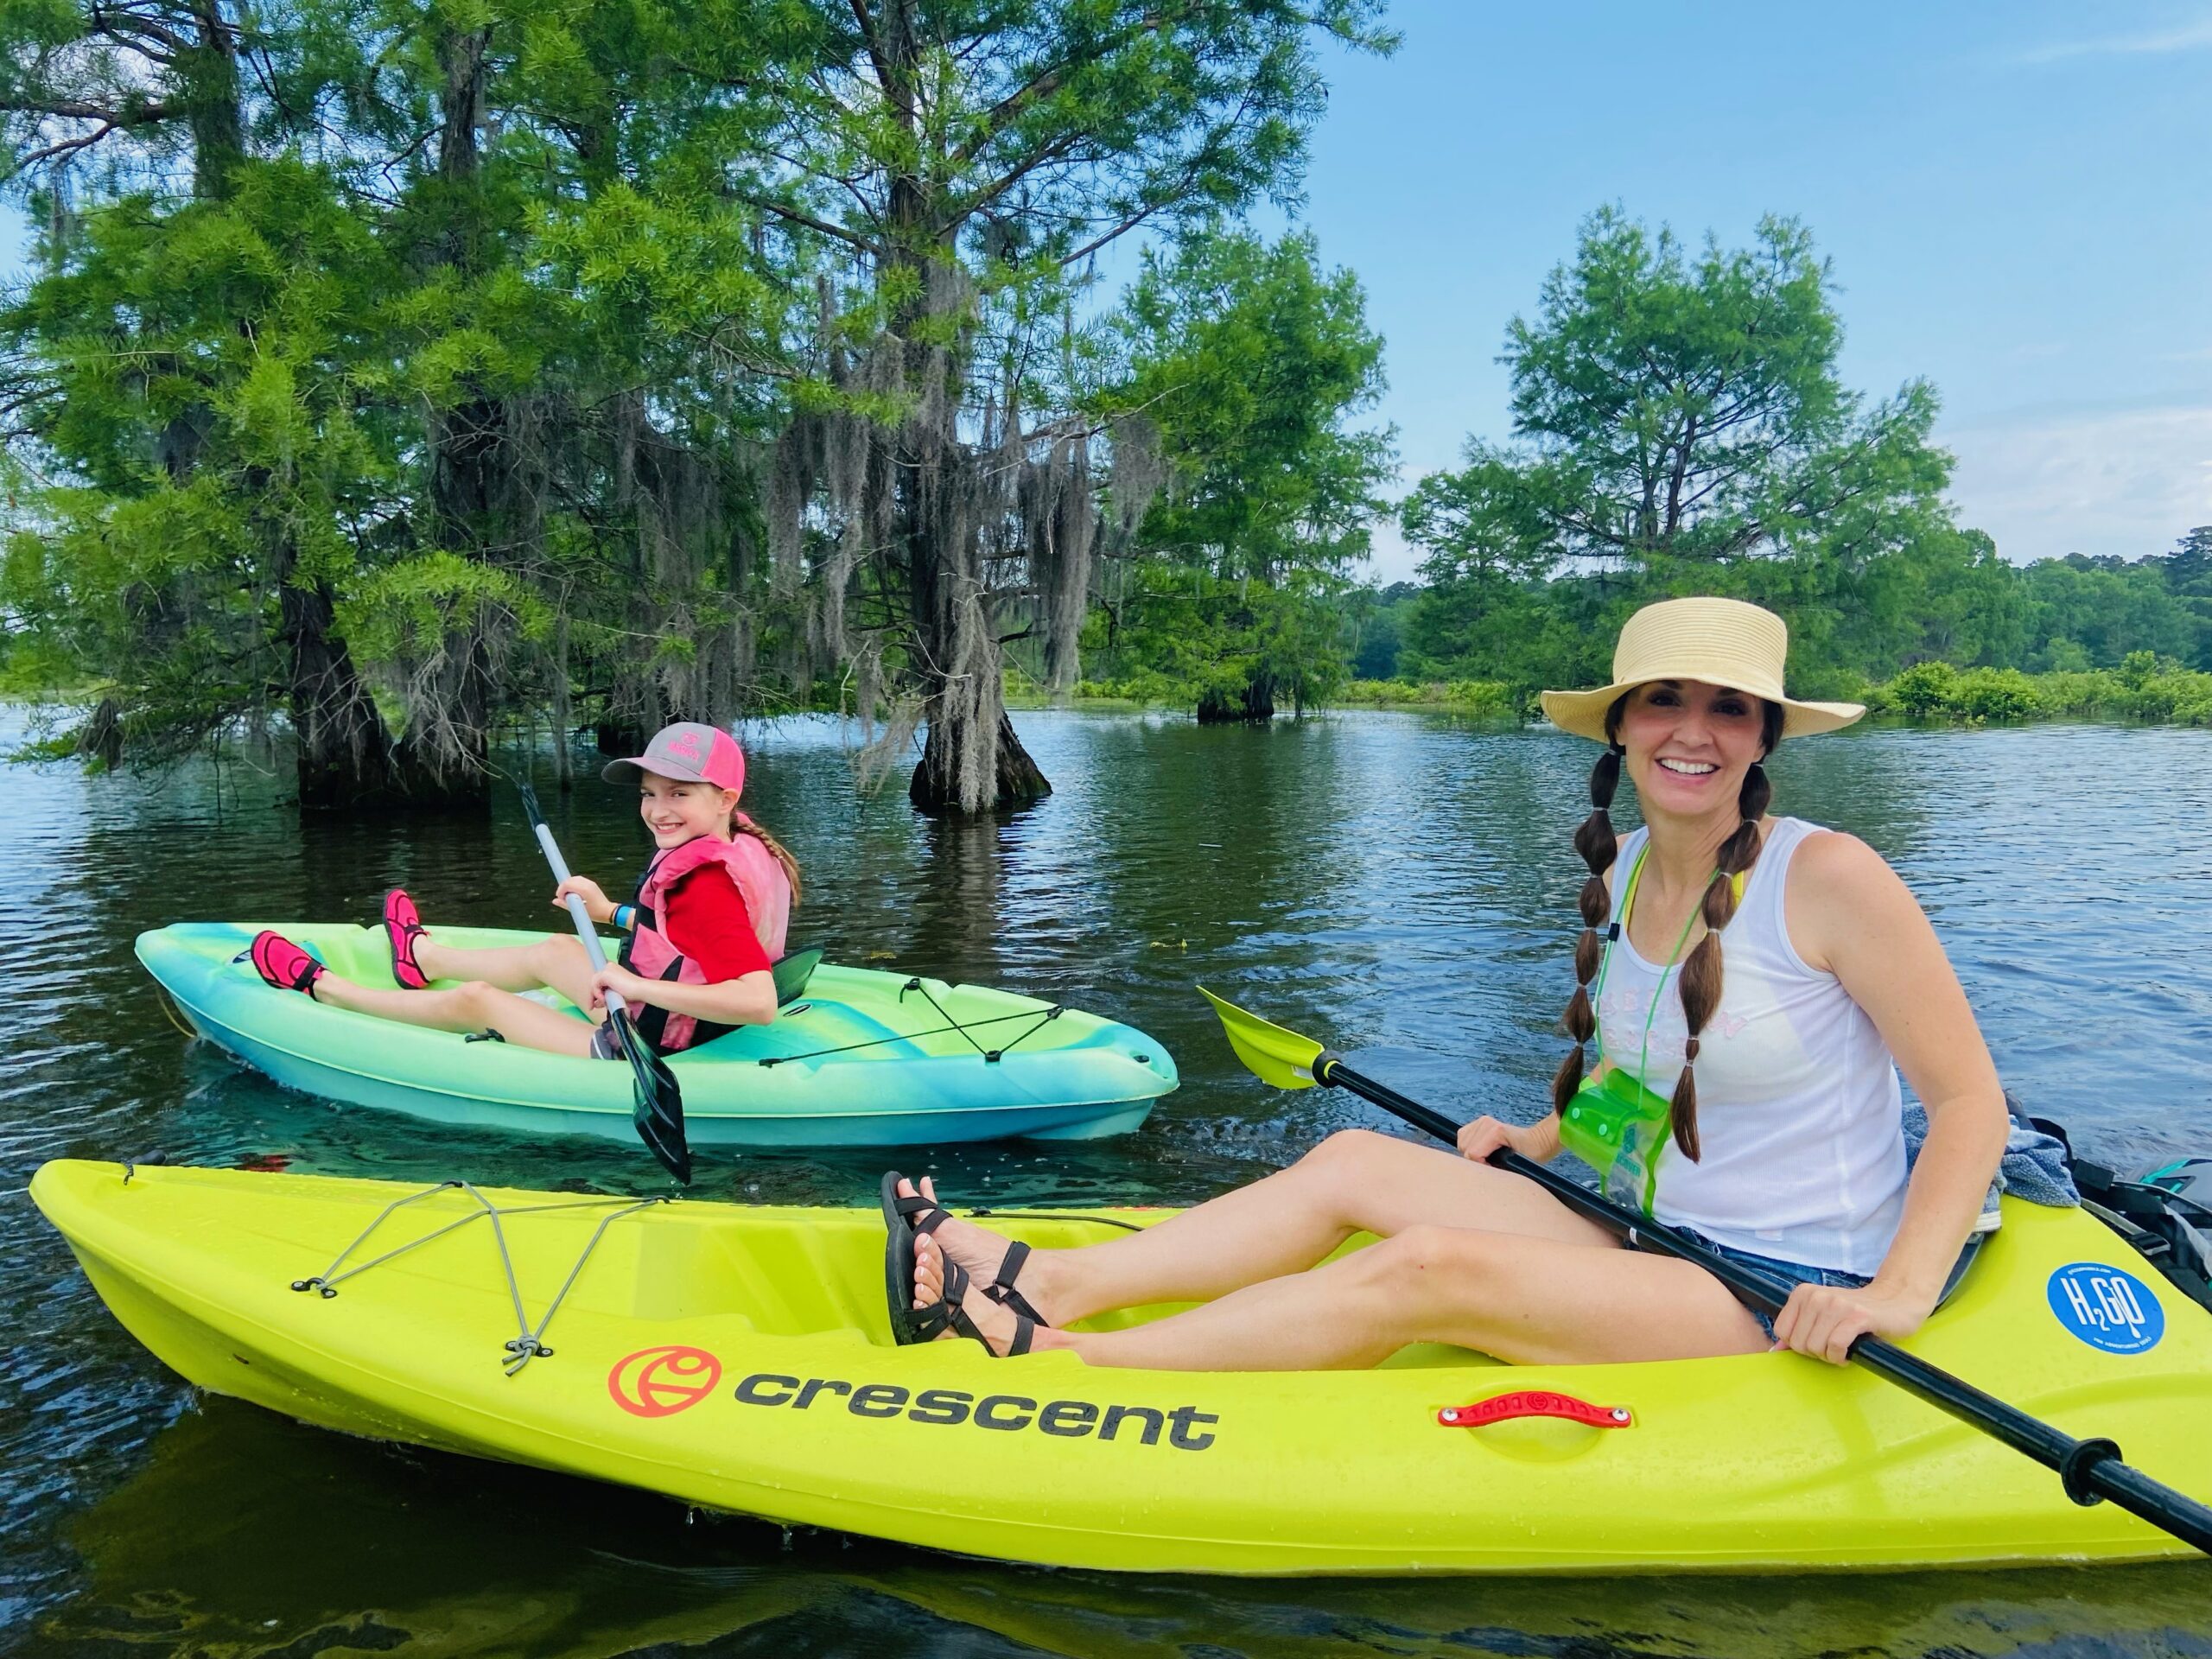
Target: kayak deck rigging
[[529, 1341], [991, 1056]]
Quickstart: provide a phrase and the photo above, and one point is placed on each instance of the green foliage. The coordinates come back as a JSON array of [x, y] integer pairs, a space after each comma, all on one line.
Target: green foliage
[[1982, 694], [1190, 637], [407, 611], [201, 374], [1924, 689], [1251, 360], [1491, 698], [2145, 688], [1676, 415], [1379, 617]]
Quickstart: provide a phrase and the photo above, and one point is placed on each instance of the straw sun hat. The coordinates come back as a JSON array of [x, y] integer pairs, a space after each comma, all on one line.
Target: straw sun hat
[[1721, 641]]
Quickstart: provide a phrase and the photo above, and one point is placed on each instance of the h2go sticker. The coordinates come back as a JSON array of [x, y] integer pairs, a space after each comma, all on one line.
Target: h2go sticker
[[2107, 1307]]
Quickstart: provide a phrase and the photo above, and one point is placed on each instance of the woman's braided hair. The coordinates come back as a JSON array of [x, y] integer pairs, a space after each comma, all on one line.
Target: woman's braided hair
[[1699, 980]]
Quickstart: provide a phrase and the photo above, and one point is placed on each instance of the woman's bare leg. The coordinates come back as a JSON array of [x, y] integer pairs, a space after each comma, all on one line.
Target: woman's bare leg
[[555, 961], [1526, 1299], [472, 1005], [1355, 1181]]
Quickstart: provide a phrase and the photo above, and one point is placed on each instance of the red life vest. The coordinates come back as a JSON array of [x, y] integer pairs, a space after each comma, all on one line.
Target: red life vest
[[767, 894]]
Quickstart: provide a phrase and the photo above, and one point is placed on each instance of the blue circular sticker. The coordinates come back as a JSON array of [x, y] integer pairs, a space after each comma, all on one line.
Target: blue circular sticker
[[2107, 1308]]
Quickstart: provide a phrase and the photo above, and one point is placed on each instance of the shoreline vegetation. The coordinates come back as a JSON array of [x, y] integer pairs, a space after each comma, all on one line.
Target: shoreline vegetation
[[2146, 689]]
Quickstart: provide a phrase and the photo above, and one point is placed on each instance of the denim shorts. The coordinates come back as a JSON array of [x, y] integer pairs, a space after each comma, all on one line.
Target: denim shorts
[[1788, 1273]]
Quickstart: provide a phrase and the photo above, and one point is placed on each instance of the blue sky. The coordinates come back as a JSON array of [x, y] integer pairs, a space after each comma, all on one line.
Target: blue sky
[[2016, 198]]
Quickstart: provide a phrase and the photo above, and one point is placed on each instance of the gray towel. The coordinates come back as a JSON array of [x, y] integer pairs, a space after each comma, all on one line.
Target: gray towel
[[2034, 1166]]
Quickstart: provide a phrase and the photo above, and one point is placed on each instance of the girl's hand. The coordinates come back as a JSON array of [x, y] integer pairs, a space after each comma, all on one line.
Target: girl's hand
[[625, 984], [595, 902], [1823, 1320], [1486, 1135]]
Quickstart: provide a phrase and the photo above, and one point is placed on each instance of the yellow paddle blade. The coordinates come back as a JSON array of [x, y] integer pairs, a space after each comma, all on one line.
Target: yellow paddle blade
[[1273, 1055]]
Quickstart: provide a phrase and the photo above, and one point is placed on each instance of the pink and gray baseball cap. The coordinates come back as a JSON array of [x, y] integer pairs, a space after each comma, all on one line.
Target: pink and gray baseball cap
[[695, 753]]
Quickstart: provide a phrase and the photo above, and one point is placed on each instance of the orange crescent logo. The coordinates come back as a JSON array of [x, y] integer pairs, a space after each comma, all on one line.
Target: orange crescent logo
[[661, 1382]]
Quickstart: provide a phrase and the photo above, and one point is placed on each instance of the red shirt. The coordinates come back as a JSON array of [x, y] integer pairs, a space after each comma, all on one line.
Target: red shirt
[[707, 921]]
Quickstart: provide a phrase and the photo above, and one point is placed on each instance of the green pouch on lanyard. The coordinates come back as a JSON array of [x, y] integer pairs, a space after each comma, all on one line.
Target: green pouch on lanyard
[[1614, 1124], [1617, 1126]]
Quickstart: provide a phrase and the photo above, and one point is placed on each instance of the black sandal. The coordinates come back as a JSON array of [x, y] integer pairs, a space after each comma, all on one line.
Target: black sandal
[[899, 1215], [929, 1323], [1001, 1289], [898, 1236]]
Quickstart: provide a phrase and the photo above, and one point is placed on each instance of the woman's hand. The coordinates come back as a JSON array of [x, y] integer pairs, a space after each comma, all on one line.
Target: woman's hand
[[1477, 1140], [625, 984], [1824, 1320], [595, 902]]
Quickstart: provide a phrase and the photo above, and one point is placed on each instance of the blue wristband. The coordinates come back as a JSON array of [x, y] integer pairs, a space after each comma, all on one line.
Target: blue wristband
[[624, 915]]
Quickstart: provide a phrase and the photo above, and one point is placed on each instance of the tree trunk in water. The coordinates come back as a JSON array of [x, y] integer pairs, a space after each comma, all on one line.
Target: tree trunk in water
[[935, 788], [100, 738], [442, 752], [344, 756], [1254, 706], [972, 759], [618, 739]]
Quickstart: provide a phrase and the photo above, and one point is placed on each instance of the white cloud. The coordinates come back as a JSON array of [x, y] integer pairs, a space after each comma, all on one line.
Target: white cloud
[[2183, 37], [2127, 482]]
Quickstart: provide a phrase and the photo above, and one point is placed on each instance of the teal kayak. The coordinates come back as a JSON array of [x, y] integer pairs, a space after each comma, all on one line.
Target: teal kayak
[[859, 1058]]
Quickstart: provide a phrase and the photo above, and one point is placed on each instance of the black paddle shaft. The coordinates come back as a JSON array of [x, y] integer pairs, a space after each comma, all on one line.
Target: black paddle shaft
[[658, 1116], [2089, 1470]]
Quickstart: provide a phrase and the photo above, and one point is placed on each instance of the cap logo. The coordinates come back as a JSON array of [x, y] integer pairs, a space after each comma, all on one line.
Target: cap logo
[[685, 747]]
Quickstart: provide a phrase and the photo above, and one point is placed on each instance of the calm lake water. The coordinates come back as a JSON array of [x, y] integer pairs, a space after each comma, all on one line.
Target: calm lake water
[[1402, 884]]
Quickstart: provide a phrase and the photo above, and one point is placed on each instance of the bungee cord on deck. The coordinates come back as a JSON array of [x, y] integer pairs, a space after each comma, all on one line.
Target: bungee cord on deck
[[991, 1056], [528, 1343]]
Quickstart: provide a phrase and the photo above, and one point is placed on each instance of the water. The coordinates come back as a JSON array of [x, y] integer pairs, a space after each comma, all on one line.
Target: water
[[1400, 883]]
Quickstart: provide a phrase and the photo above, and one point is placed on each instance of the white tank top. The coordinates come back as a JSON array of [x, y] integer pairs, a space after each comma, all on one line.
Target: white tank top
[[1799, 1118]]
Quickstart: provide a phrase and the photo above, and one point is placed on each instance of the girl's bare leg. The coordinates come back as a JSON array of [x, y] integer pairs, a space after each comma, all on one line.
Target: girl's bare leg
[[555, 961], [1526, 1299], [1355, 1181], [472, 1006]]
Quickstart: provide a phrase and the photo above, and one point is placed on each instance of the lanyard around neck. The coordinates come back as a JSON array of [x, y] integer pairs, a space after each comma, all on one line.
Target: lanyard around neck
[[1619, 930]]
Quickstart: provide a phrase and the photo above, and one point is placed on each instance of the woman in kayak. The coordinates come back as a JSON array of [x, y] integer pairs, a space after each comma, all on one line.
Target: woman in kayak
[[1758, 1108], [704, 930]]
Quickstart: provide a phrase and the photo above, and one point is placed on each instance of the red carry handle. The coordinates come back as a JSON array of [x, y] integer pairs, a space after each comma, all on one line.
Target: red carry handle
[[1534, 1402]]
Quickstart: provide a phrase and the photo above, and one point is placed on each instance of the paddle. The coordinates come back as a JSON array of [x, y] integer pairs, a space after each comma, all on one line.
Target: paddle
[[2089, 1470], [659, 1111]]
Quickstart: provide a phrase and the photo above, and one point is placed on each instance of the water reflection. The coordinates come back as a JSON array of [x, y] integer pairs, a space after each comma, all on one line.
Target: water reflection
[[307, 1542]]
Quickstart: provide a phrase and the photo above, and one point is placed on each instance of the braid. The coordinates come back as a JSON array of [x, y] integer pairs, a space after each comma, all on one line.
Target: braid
[[1700, 975], [741, 825], [1596, 842]]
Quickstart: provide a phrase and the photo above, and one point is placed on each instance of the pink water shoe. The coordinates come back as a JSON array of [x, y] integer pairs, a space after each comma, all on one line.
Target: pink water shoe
[[403, 926], [282, 964]]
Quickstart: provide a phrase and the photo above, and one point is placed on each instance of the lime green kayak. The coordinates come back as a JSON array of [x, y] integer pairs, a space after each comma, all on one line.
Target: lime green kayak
[[739, 1358], [860, 1058]]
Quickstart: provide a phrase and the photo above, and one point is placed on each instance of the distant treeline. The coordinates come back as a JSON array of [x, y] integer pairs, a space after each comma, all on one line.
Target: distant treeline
[[1679, 427], [1948, 631]]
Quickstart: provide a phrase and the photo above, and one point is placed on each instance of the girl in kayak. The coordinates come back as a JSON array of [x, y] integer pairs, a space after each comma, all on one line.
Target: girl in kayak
[[704, 930], [1758, 1108]]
